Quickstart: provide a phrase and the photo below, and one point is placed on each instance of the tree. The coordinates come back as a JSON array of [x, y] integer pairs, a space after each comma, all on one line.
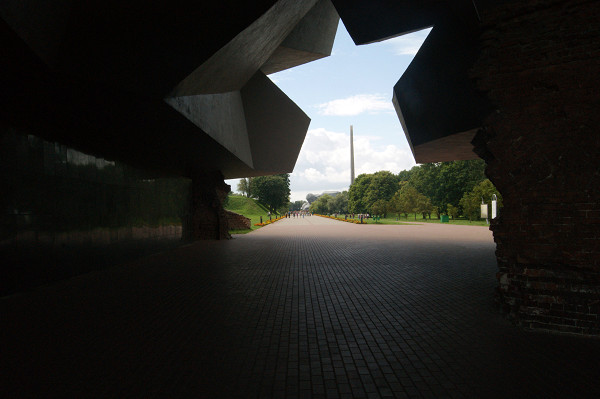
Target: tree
[[425, 178], [458, 177], [470, 205], [369, 188], [379, 207], [296, 205], [382, 186], [404, 175], [244, 186], [393, 206], [406, 200], [452, 211], [471, 201], [321, 205], [409, 200], [339, 203], [273, 191], [357, 192], [424, 205], [441, 183], [446, 182]]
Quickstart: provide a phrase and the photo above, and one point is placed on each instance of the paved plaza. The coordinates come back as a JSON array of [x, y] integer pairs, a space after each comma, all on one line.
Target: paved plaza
[[306, 307]]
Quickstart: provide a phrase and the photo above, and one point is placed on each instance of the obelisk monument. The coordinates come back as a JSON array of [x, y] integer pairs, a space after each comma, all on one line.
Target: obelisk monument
[[351, 156]]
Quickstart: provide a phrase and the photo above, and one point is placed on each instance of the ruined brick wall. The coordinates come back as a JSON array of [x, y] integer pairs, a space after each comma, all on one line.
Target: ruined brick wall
[[540, 65], [237, 221], [207, 219]]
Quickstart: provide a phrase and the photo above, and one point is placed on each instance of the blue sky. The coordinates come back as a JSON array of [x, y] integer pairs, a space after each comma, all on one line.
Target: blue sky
[[353, 86]]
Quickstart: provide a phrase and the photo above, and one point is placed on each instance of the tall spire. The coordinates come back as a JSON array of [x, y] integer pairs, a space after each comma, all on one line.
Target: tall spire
[[351, 156]]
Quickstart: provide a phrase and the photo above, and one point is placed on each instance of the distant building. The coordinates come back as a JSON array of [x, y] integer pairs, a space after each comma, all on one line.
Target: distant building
[[310, 197]]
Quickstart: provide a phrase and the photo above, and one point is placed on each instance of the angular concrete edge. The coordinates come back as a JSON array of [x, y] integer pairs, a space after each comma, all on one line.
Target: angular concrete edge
[[437, 102], [107, 95], [384, 19], [450, 148], [221, 116], [236, 62], [259, 125], [276, 126], [311, 39], [230, 99]]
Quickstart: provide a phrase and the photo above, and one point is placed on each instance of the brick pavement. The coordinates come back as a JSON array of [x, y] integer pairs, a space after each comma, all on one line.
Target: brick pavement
[[301, 308]]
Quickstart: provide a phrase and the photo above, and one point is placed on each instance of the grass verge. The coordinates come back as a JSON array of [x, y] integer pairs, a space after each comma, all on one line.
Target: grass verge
[[248, 207], [419, 219]]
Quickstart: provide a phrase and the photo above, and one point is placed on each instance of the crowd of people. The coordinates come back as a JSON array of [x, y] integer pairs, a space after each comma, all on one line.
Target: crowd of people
[[297, 214], [301, 214]]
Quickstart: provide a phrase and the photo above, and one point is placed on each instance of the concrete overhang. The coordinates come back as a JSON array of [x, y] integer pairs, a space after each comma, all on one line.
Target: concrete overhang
[[135, 46], [376, 20], [236, 62], [171, 86], [438, 105], [311, 39], [259, 125], [437, 102]]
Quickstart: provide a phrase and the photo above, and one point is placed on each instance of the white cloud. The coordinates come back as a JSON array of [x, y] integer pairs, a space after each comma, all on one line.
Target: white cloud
[[324, 161], [354, 105], [282, 76], [407, 44]]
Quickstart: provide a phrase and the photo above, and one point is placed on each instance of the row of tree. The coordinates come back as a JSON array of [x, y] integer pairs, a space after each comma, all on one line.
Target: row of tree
[[328, 204], [406, 200], [452, 188], [273, 191], [296, 205]]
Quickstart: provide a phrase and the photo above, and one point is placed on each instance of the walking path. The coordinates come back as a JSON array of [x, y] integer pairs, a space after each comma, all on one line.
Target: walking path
[[305, 307]]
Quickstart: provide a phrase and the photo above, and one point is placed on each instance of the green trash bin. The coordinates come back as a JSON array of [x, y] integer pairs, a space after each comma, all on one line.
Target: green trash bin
[[445, 218]]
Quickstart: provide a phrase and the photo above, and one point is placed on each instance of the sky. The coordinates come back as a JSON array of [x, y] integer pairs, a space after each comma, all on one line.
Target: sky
[[353, 86]]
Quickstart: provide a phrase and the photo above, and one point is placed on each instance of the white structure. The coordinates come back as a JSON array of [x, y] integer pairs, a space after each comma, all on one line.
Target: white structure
[[351, 156]]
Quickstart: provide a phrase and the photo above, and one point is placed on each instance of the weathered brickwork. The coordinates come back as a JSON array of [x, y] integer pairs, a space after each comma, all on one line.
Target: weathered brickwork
[[207, 219], [540, 65], [237, 221]]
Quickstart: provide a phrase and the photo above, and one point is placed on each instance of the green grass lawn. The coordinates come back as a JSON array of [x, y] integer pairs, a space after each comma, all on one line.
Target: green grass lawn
[[248, 207], [411, 218]]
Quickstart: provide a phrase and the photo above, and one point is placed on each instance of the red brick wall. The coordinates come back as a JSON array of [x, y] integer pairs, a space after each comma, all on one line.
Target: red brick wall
[[237, 221], [540, 65], [207, 219]]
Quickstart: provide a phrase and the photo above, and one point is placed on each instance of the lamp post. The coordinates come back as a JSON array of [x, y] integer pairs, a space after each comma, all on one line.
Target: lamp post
[[494, 205]]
